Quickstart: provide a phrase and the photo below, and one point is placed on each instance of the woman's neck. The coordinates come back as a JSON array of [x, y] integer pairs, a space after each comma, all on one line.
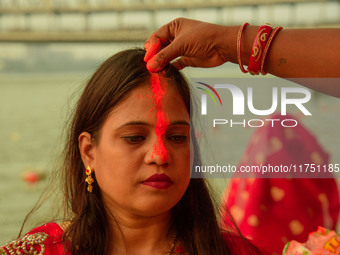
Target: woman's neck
[[131, 234]]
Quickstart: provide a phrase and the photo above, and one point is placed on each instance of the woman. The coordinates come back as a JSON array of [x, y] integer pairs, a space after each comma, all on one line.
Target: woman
[[126, 172]]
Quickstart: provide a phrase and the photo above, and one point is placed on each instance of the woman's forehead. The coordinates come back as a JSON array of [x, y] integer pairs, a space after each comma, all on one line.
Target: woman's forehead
[[140, 104]]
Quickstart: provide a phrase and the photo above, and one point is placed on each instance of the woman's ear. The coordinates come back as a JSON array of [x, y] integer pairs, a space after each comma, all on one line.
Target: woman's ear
[[86, 148]]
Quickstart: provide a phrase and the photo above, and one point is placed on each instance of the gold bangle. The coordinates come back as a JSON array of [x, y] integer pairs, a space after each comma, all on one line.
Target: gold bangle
[[239, 40], [270, 39]]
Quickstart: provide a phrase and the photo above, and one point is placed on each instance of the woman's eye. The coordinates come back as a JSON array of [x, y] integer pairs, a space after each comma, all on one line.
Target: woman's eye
[[178, 138], [134, 139]]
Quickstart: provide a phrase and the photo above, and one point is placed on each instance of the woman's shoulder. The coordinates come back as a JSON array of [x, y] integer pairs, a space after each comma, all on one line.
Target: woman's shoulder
[[46, 239]]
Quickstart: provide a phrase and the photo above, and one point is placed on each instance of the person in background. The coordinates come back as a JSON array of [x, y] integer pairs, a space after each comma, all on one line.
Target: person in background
[[281, 207]]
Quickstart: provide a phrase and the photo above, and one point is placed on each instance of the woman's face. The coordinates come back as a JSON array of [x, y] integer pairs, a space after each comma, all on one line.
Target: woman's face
[[133, 178]]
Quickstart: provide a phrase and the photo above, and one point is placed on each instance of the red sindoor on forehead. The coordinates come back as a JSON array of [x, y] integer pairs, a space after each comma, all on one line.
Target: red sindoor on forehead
[[161, 120]]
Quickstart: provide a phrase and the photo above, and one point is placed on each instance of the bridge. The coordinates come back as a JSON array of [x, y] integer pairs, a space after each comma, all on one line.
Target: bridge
[[134, 20]]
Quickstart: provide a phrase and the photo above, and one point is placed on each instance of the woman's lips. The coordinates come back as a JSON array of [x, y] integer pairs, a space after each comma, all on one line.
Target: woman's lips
[[158, 181]]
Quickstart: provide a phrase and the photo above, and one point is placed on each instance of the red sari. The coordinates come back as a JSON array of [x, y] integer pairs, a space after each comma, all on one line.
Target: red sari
[[46, 239]]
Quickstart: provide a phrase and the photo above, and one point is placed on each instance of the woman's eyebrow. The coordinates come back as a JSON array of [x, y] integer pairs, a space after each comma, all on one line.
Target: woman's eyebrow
[[134, 123], [180, 122], [142, 123]]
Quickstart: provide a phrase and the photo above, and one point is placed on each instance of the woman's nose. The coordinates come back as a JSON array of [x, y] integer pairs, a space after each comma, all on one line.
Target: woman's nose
[[158, 152]]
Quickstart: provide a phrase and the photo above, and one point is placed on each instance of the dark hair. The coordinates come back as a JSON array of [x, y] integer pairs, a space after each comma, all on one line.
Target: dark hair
[[194, 217]]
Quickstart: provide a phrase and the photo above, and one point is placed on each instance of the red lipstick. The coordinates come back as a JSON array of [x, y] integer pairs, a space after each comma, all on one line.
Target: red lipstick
[[158, 181]]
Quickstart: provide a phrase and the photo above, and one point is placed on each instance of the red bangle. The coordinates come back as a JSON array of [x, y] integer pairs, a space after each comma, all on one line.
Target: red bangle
[[259, 45], [239, 40], [273, 34]]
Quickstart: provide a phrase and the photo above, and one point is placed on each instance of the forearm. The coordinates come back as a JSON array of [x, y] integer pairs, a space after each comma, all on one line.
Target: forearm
[[294, 53]]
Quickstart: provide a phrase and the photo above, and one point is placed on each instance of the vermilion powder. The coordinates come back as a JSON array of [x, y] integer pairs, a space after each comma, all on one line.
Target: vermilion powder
[[161, 120], [153, 49]]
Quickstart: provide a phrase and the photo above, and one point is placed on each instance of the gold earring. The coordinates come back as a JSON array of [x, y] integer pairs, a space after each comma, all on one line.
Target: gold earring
[[89, 179]]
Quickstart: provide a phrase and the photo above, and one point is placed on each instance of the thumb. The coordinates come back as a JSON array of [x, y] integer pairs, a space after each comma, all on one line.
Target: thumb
[[163, 57], [182, 62]]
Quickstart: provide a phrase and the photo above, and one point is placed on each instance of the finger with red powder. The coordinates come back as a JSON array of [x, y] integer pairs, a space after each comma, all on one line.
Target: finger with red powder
[[152, 46], [163, 57]]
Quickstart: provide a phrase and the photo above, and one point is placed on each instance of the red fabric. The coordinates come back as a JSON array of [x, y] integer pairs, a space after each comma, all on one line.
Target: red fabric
[[53, 243], [273, 211]]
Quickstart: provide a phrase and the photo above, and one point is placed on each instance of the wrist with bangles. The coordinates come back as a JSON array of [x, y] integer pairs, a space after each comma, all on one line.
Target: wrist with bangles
[[261, 46]]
